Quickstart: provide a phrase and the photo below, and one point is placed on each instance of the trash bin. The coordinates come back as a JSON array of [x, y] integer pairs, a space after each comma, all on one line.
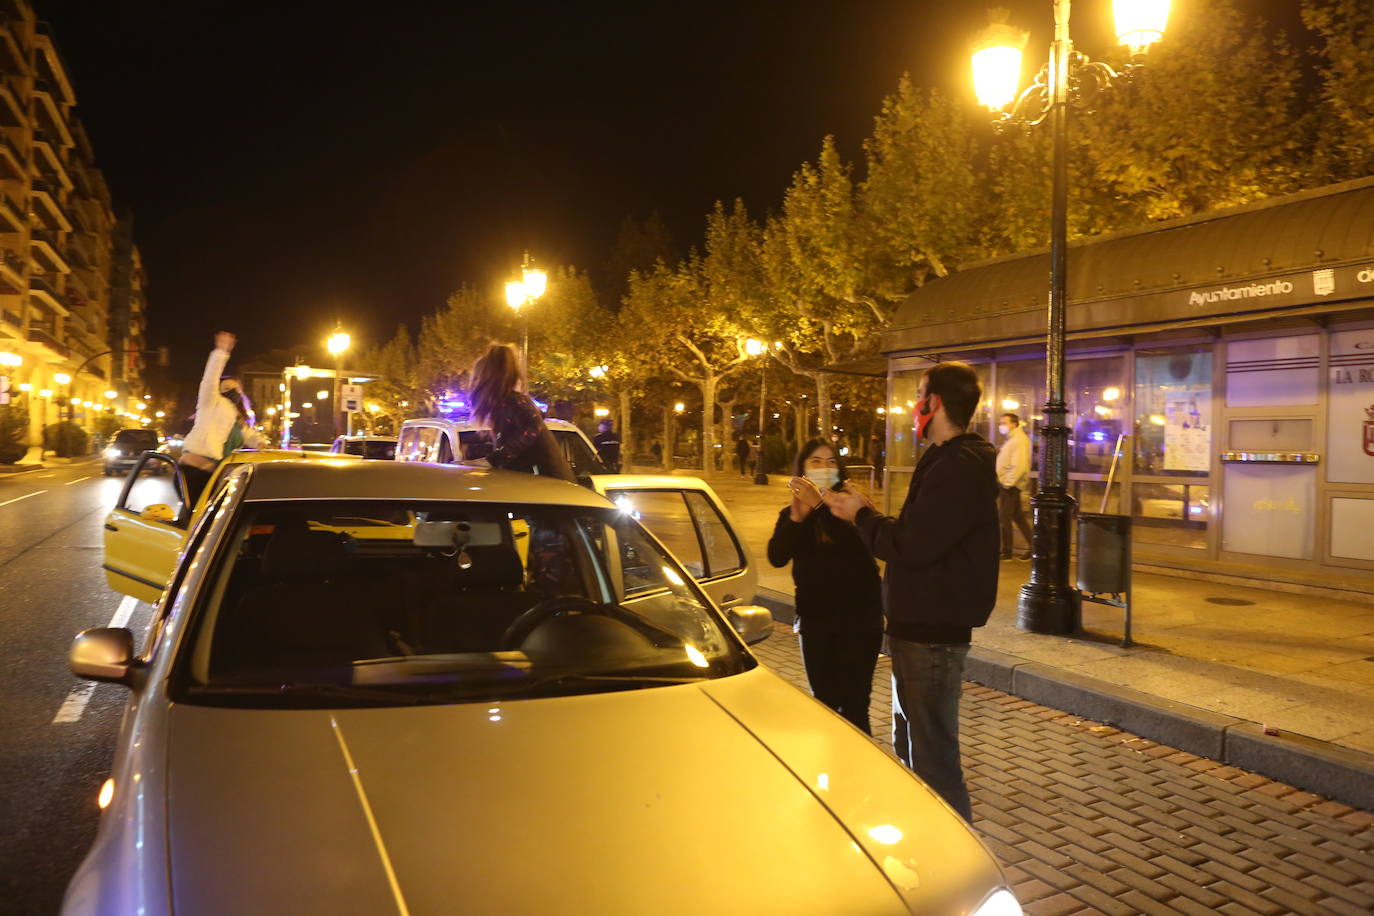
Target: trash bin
[[1104, 563], [1104, 553]]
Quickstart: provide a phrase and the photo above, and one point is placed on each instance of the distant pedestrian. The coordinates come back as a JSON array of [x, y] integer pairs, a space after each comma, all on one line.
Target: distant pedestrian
[[839, 603], [742, 451], [517, 438], [608, 446], [941, 576], [1013, 473], [223, 421]]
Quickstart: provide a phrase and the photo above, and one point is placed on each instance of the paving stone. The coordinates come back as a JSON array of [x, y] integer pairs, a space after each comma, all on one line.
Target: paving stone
[[1147, 904], [1237, 894], [1332, 907], [1192, 889], [1058, 905], [1334, 890], [1236, 909]]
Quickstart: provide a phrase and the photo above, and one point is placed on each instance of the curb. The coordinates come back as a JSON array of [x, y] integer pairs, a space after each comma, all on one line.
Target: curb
[[1338, 773]]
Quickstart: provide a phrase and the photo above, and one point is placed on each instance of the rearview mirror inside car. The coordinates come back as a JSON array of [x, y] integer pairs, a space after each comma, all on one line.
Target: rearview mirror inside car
[[751, 622], [103, 654], [446, 535]]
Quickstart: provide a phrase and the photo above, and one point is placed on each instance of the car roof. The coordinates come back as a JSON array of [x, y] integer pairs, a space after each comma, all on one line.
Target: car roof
[[259, 455], [340, 477], [366, 439], [550, 422]]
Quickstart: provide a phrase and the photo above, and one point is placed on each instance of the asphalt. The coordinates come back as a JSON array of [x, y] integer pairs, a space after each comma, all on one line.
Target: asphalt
[[1275, 682]]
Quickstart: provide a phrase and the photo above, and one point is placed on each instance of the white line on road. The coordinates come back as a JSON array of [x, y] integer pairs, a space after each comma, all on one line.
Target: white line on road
[[78, 480], [25, 496], [75, 704]]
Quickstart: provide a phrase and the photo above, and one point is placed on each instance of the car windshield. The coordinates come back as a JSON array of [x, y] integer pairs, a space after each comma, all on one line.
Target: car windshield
[[377, 449], [328, 604]]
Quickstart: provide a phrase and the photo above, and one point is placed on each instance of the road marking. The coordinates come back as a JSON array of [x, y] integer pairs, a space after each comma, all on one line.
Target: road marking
[[74, 706], [25, 496], [77, 480]]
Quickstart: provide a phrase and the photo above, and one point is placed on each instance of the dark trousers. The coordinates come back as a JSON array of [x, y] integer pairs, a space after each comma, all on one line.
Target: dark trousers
[[926, 683], [1009, 510], [196, 481], [839, 666]]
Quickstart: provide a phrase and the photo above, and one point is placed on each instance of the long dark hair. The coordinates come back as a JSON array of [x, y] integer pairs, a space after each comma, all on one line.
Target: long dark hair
[[799, 467], [495, 375], [799, 470]]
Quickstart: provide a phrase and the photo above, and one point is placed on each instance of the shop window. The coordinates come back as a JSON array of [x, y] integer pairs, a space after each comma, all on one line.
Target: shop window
[[1173, 412], [901, 406], [1096, 400], [1021, 390], [1272, 372], [1171, 515]]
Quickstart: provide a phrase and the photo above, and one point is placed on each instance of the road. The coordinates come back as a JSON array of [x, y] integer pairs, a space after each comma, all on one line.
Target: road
[[1086, 819], [51, 586]]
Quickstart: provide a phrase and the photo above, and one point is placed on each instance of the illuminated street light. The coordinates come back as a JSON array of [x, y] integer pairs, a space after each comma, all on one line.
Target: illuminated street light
[[111, 395], [45, 393], [322, 395], [1047, 604], [11, 359], [337, 344], [1111, 394], [679, 407], [522, 293], [62, 378], [160, 414], [602, 412], [25, 387]]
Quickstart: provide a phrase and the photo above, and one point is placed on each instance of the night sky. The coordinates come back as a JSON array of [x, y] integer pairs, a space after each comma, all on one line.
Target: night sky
[[289, 163]]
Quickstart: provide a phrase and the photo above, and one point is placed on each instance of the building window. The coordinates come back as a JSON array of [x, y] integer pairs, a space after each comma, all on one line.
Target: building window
[[1173, 412], [1094, 393], [1272, 372]]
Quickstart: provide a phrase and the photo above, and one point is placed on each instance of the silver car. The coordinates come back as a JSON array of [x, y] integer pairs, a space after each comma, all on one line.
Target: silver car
[[379, 687]]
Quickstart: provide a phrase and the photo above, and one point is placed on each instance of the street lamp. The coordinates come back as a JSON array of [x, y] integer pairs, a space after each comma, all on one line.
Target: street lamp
[[338, 342], [1047, 604], [522, 293], [759, 348]]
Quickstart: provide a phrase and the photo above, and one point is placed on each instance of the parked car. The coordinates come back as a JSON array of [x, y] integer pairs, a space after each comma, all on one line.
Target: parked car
[[441, 440], [147, 528], [125, 448], [315, 446], [377, 687], [380, 448]]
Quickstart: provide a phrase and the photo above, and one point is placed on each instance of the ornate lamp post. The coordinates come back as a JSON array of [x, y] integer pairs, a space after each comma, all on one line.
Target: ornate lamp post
[[522, 293], [338, 342], [1047, 604]]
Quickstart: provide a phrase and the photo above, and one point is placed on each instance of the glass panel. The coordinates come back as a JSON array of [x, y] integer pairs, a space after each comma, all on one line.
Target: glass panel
[[981, 422], [1173, 412], [722, 552], [1273, 372], [1352, 528], [1021, 390], [898, 483], [1089, 495], [156, 484], [1172, 514], [665, 514], [1350, 402], [1093, 393], [1270, 510], [901, 433], [1271, 435]]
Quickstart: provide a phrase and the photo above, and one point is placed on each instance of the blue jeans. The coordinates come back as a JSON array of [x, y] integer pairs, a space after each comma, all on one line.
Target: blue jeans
[[926, 683]]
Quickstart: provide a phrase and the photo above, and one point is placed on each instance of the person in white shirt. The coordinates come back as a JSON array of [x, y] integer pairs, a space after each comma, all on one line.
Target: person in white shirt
[[223, 421], [1013, 473]]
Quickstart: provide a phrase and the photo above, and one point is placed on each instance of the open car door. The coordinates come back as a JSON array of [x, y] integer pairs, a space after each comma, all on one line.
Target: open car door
[[146, 530], [687, 516]]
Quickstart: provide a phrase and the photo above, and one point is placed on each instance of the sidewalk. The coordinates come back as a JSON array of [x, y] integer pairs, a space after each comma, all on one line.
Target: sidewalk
[[1271, 681]]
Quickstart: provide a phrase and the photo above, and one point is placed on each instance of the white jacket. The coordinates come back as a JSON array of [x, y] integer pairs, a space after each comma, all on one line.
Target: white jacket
[[1013, 460], [215, 415]]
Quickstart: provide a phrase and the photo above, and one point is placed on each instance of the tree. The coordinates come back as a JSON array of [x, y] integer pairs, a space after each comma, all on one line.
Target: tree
[[399, 392], [453, 337], [1345, 142], [14, 433]]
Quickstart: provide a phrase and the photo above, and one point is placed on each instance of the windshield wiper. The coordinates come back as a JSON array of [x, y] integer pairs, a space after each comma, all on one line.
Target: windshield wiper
[[310, 689], [609, 681]]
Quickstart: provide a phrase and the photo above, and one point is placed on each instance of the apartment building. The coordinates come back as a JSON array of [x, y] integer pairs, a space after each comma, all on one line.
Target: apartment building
[[71, 280]]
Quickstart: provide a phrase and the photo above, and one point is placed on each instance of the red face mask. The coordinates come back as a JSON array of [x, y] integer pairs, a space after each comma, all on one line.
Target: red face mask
[[924, 412]]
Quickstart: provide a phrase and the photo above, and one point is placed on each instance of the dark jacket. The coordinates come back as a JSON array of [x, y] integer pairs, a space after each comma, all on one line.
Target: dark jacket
[[521, 442], [942, 551], [837, 580]]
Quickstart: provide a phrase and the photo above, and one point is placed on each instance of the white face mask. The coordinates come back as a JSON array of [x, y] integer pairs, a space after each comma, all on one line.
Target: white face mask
[[825, 478], [1004, 429]]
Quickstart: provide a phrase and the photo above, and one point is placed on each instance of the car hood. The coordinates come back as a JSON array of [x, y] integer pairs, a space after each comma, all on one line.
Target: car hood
[[730, 796]]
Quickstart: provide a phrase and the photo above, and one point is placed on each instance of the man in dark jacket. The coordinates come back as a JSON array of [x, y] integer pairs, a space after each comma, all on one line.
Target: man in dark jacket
[[941, 577]]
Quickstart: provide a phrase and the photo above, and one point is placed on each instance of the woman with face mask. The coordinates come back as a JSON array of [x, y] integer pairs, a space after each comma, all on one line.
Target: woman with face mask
[[223, 421], [838, 593]]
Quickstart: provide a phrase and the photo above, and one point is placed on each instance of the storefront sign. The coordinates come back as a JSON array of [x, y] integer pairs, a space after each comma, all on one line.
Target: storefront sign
[[1248, 291], [1350, 420]]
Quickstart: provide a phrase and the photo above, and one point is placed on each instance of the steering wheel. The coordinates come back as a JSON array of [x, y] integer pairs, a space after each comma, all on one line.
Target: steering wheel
[[531, 619]]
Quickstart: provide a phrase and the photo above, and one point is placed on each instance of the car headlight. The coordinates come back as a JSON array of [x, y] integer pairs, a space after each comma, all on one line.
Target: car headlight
[[112, 452], [1000, 902]]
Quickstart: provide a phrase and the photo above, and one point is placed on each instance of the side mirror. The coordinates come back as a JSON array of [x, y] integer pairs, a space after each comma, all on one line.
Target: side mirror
[[103, 654], [752, 623], [158, 512]]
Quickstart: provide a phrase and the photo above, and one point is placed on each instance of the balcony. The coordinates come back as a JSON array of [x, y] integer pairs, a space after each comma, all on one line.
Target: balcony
[[45, 293], [51, 113], [11, 159], [51, 65], [41, 333], [12, 60], [45, 205], [48, 162], [11, 112], [11, 273], [11, 216], [12, 318], [47, 249]]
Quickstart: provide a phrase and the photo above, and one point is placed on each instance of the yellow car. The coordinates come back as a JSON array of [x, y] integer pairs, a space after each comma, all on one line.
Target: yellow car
[[146, 530]]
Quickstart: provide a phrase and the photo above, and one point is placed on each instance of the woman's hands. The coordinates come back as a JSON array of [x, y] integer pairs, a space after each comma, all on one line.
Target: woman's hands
[[225, 341], [805, 498]]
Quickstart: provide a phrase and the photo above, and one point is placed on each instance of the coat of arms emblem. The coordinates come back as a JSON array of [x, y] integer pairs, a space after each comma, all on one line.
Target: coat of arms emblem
[[1369, 431], [1324, 281]]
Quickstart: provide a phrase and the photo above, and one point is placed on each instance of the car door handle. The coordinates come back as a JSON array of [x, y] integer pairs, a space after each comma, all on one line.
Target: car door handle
[[109, 527], [728, 598]]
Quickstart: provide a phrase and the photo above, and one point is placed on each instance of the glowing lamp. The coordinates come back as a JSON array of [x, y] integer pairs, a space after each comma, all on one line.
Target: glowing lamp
[[515, 294], [112, 394], [322, 395], [11, 359], [753, 347], [997, 62], [1140, 23], [535, 281], [337, 343], [62, 378]]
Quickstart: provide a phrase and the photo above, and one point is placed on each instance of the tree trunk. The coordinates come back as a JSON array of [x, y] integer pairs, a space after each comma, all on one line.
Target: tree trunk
[[727, 439], [823, 407], [627, 442], [708, 425], [668, 437]]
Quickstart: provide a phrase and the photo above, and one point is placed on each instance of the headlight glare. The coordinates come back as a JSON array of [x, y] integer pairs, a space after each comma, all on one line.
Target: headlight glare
[[1000, 902]]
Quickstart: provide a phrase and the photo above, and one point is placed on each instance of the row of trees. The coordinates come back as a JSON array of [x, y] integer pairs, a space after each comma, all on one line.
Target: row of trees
[[1224, 113]]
